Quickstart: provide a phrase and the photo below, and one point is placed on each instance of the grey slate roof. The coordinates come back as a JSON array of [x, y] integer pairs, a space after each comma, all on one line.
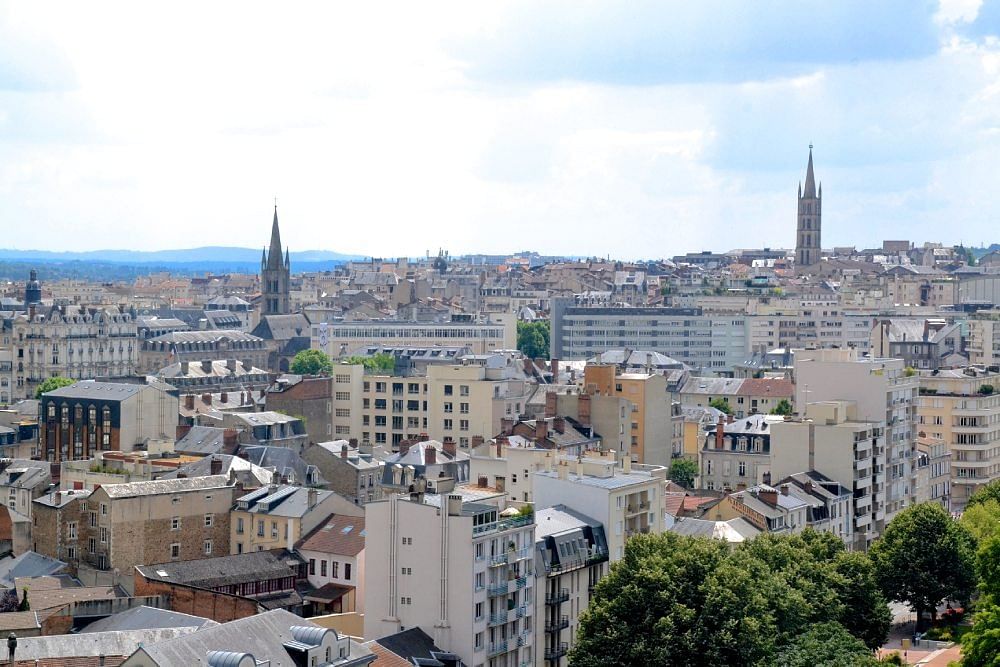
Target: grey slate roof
[[28, 564], [287, 463], [103, 390], [225, 570], [95, 644], [157, 486], [147, 618], [201, 440]]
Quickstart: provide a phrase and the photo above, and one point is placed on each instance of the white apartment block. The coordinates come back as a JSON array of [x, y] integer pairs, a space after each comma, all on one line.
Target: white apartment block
[[625, 498], [962, 408], [984, 338], [883, 393], [339, 338], [459, 567]]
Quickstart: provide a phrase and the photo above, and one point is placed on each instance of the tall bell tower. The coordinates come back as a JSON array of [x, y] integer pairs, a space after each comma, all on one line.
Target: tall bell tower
[[808, 248]]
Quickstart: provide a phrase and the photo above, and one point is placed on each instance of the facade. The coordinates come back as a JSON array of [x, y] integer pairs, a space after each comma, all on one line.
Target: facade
[[57, 526], [89, 417], [808, 247], [934, 471], [194, 347], [275, 516], [962, 408], [347, 471], [275, 276], [884, 393], [335, 553], [984, 338], [926, 344], [76, 342], [341, 338], [457, 566], [308, 397], [746, 396], [212, 376], [737, 455]]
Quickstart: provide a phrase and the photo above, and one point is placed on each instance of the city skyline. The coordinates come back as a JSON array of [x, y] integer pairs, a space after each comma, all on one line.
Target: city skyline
[[638, 132]]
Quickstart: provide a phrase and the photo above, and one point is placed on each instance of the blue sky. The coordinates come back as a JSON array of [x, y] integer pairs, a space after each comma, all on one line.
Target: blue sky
[[639, 129]]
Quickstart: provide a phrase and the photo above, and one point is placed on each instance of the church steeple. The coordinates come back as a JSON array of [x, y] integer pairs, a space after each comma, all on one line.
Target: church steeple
[[808, 248], [275, 275], [274, 252], [810, 189]]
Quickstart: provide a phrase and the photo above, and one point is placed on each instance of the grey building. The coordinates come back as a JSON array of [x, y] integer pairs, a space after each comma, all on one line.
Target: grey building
[[347, 470]]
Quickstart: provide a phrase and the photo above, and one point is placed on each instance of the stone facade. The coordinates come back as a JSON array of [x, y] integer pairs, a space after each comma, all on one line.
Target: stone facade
[[311, 398], [808, 250]]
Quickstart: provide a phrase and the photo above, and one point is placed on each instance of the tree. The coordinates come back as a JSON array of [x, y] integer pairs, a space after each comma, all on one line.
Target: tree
[[924, 557], [867, 614], [783, 408], [24, 606], [533, 339], [382, 362], [311, 362], [683, 472], [51, 384], [981, 644], [986, 389], [825, 645], [989, 492], [721, 404], [982, 519]]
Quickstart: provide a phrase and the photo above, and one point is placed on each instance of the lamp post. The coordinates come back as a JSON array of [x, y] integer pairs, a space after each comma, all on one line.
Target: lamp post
[[11, 647]]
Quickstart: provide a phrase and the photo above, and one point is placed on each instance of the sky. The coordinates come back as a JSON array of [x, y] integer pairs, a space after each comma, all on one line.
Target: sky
[[638, 129]]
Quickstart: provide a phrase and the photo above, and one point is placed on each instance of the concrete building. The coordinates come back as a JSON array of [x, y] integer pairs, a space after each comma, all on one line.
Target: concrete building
[[87, 417], [962, 408], [984, 338], [933, 471], [460, 565], [347, 470], [276, 516], [498, 331], [624, 497], [884, 394], [922, 344], [194, 347], [745, 396], [335, 553]]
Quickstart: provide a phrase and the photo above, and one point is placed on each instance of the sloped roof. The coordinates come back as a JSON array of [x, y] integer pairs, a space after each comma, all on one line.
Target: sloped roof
[[341, 535], [147, 618]]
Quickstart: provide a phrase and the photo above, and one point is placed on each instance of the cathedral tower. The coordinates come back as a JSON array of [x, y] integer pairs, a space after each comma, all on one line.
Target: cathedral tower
[[807, 237], [274, 276]]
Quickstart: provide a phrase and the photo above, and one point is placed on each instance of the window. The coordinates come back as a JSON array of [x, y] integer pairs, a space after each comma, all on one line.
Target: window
[[463, 390], [93, 519], [207, 547], [742, 469], [274, 529], [175, 551], [449, 390], [347, 571], [334, 567], [104, 535], [322, 568], [448, 425], [312, 567], [92, 545], [239, 526], [448, 408], [208, 521], [463, 424], [343, 395], [71, 553], [104, 509], [463, 408], [71, 529], [175, 523]]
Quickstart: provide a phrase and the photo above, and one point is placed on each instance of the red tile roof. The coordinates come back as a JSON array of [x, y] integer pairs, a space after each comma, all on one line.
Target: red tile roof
[[341, 535], [778, 387]]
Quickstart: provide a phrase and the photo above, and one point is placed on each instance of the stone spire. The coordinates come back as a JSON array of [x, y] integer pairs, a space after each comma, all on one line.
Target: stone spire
[[274, 252], [810, 189]]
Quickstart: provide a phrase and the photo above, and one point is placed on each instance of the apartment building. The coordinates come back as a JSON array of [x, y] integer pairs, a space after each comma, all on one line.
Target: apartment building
[[57, 531], [711, 343], [89, 417], [927, 343], [820, 324], [308, 397], [737, 453], [348, 470], [498, 331], [274, 516], [654, 429], [769, 509], [933, 471], [335, 553], [835, 441], [983, 346], [77, 342], [884, 393], [745, 396], [962, 407], [460, 565], [197, 346], [456, 401], [571, 556], [154, 521], [624, 497]]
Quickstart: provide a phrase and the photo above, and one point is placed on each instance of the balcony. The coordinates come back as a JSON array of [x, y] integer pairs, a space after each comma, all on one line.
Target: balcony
[[497, 589], [556, 652], [562, 595], [504, 524], [497, 648], [499, 618], [561, 624]]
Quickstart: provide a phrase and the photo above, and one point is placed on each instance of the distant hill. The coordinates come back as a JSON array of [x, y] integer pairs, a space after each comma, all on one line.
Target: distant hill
[[162, 257]]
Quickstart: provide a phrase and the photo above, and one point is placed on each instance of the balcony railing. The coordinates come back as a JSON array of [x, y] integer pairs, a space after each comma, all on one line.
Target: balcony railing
[[560, 624], [504, 524], [497, 648], [562, 595], [499, 618], [556, 652], [497, 589]]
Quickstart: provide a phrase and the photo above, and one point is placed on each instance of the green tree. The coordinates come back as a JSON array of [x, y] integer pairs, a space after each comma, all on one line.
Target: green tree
[[986, 389], [533, 339], [382, 362], [311, 362], [924, 557], [51, 384], [982, 519], [683, 472], [721, 404], [825, 645], [981, 644], [990, 491], [866, 614], [783, 408]]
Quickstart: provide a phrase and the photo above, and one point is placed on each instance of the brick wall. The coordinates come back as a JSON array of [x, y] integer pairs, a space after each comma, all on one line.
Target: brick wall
[[219, 607]]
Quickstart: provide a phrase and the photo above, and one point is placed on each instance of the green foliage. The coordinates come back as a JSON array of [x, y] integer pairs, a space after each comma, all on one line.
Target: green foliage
[[982, 519], [721, 404], [986, 389], [685, 601], [683, 472], [989, 492], [825, 645], [97, 467], [382, 362], [526, 510], [311, 362], [909, 371], [51, 384], [533, 339], [783, 408], [925, 557], [988, 567], [981, 644]]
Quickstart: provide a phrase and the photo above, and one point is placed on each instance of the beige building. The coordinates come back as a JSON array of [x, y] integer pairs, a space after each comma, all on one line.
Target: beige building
[[339, 339], [275, 517], [984, 338], [933, 471], [460, 565], [457, 402], [962, 408]]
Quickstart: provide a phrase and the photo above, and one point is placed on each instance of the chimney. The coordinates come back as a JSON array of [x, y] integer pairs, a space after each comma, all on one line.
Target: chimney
[[448, 446], [627, 463], [311, 497], [343, 451], [229, 440], [483, 481], [551, 404], [189, 401], [563, 469], [247, 365], [404, 446], [215, 466], [528, 367], [784, 489], [583, 410], [353, 442], [183, 429], [185, 367], [559, 424], [430, 455], [554, 367], [720, 433], [809, 486], [769, 496], [224, 397], [730, 419], [206, 398], [58, 498], [507, 426], [423, 438], [477, 440], [206, 365], [541, 429], [649, 363]]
